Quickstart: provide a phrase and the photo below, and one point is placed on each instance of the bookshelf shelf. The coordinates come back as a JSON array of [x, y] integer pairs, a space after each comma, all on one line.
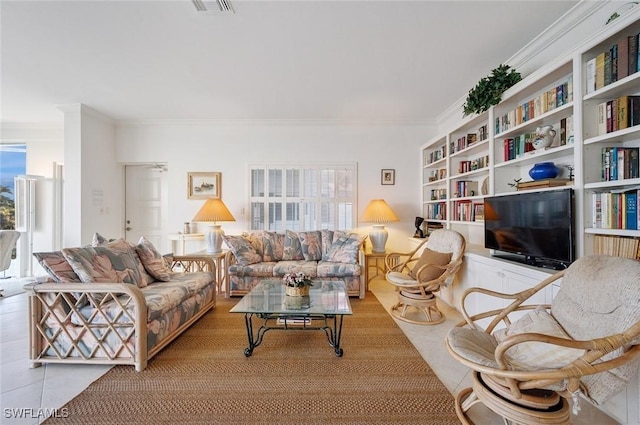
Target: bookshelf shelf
[[613, 232]]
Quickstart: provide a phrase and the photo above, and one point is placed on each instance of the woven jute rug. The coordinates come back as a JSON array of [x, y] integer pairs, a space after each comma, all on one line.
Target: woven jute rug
[[294, 377]]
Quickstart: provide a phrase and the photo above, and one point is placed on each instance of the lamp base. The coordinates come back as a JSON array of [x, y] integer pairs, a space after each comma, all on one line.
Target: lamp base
[[378, 236], [214, 239]]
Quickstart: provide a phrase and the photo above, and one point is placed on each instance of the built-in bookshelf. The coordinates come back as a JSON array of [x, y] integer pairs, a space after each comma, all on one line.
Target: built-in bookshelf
[[595, 113]]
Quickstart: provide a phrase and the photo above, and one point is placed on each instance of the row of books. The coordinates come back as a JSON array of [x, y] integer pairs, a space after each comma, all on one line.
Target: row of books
[[541, 104], [620, 163], [438, 174], [515, 147], [467, 211], [466, 188], [438, 194], [436, 211], [618, 246], [613, 64], [468, 140], [436, 155], [474, 164], [612, 210], [618, 114]]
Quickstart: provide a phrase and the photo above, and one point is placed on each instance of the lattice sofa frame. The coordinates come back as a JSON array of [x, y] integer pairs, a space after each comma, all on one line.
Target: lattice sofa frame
[[118, 334]]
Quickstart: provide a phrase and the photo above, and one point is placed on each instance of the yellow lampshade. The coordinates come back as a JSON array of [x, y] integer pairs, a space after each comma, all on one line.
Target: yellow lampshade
[[214, 210], [378, 211]]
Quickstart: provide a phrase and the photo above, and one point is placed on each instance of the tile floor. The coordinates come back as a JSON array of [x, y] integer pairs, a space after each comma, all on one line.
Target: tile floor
[[28, 394]]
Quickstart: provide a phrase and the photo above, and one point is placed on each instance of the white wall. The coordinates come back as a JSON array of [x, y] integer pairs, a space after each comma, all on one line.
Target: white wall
[[188, 146], [93, 183]]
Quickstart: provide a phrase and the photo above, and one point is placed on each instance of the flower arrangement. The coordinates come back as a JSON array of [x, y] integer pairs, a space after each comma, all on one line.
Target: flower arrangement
[[297, 280]]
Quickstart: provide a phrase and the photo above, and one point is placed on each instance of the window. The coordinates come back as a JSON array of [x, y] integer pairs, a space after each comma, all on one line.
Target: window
[[300, 198], [13, 158]]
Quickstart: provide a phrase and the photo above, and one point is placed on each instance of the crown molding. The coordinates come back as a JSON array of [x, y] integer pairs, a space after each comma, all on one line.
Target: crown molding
[[279, 122]]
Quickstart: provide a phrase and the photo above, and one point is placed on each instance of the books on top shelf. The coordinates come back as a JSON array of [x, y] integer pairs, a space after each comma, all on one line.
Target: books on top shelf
[[546, 101], [615, 63]]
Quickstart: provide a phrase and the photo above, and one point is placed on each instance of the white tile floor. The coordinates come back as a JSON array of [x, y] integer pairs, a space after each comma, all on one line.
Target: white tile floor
[[30, 393]]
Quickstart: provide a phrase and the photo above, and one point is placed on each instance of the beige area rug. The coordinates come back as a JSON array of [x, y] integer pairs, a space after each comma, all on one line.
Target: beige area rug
[[294, 377]]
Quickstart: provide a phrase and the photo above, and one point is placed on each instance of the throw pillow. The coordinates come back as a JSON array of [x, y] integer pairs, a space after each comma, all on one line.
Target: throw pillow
[[152, 260], [345, 248], [273, 245], [242, 249], [98, 240], [292, 248], [327, 241], [536, 355], [433, 258], [145, 277], [311, 245], [113, 262], [57, 266]]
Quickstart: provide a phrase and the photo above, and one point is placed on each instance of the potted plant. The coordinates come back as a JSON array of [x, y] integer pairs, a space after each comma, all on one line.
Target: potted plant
[[488, 91], [297, 284]]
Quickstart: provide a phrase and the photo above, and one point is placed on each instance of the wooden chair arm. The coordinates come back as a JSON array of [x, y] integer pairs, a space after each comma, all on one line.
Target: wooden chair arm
[[502, 315], [391, 259]]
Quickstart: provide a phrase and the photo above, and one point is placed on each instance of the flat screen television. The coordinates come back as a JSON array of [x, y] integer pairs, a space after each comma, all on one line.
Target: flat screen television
[[535, 228]]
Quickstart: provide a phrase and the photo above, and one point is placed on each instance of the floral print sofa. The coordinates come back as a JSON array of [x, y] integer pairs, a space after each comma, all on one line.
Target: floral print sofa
[[115, 302], [320, 254]]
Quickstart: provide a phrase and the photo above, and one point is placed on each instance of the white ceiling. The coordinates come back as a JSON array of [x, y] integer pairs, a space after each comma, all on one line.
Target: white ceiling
[[399, 61]]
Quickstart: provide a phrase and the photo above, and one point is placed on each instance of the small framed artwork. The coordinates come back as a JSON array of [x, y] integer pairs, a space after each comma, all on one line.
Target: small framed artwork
[[388, 176], [478, 212], [203, 185]]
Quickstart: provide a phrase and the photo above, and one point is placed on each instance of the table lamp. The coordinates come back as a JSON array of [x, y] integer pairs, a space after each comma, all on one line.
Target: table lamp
[[214, 210], [379, 212]]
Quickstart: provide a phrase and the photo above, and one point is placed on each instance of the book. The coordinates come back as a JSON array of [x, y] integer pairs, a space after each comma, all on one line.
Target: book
[[623, 112], [631, 210], [536, 184], [623, 58], [602, 118], [591, 75], [633, 53], [634, 110], [607, 68], [614, 63], [600, 71]]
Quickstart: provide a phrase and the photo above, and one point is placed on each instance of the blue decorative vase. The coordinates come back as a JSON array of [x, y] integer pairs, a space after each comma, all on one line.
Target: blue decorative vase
[[544, 170]]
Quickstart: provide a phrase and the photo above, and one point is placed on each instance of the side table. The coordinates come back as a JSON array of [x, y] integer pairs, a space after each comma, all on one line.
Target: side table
[[221, 267], [374, 265], [179, 241]]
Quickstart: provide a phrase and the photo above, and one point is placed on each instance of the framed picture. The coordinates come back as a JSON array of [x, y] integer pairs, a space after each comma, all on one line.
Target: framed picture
[[388, 176], [203, 185], [478, 212]]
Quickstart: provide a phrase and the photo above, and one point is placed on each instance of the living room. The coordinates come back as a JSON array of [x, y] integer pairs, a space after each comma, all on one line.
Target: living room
[[95, 143]]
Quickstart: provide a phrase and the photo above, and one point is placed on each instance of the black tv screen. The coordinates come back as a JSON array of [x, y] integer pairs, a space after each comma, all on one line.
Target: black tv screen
[[535, 228]]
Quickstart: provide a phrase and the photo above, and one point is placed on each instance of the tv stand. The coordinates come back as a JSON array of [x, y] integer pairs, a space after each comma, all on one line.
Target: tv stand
[[532, 261]]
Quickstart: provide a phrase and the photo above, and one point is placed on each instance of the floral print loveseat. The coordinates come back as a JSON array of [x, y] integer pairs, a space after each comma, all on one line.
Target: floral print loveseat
[[115, 302], [320, 254]]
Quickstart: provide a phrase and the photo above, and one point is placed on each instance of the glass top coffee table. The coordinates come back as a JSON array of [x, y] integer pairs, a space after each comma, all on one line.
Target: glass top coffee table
[[268, 306]]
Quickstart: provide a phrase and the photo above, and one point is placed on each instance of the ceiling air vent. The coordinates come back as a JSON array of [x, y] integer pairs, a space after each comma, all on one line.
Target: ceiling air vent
[[213, 7]]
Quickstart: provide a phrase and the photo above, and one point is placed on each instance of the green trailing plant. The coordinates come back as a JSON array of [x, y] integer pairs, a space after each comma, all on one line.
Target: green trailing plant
[[488, 91]]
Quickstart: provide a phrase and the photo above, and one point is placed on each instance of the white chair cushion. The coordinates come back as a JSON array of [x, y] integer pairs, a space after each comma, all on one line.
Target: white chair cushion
[[537, 355], [401, 279]]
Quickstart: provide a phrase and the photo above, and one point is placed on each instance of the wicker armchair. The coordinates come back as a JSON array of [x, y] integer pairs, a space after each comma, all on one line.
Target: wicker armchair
[[585, 342], [423, 271]]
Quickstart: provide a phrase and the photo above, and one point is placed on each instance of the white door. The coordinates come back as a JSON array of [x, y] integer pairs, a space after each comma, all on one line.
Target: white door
[[146, 204]]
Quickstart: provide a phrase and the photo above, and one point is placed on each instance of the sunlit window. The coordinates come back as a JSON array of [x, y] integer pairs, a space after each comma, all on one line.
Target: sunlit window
[[13, 162], [300, 198]]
